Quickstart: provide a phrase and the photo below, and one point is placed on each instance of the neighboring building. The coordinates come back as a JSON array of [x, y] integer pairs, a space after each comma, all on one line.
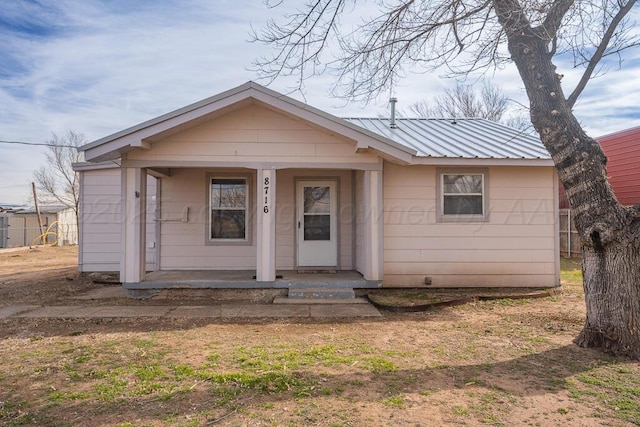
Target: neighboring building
[[253, 181], [19, 226], [623, 166]]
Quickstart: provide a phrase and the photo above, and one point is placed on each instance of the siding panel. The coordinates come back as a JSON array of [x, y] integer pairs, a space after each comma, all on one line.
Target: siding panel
[[515, 247], [254, 134], [100, 218], [183, 243], [100, 215]]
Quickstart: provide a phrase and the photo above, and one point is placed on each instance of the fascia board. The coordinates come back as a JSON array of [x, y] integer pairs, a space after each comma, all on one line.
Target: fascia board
[[461, 161], [86, 166]]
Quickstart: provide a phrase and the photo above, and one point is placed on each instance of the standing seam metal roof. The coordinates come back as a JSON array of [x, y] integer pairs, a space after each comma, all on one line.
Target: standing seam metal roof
[[460, 138]]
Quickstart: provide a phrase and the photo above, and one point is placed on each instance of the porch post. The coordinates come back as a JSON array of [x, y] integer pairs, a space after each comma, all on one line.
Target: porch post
[[266, 223], [374, 233], [134, 223]]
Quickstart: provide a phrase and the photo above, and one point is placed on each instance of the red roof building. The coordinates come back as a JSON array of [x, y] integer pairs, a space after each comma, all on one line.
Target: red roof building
[[623, 166]]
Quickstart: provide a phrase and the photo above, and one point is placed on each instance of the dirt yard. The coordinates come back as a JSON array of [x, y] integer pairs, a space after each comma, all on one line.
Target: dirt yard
[[501, 362]]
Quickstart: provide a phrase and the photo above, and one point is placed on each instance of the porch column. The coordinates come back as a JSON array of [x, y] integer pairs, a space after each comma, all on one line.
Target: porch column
[[266, 223], [374, 237], [134, 223]]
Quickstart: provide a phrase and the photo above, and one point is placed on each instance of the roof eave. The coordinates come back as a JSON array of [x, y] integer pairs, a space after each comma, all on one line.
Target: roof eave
[[474, 161]]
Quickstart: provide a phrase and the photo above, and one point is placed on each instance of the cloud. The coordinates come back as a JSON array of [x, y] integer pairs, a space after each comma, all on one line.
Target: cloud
[[97, 67]]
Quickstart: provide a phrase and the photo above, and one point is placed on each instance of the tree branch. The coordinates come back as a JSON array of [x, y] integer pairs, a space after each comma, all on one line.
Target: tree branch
[[556, 13], [600, 52]]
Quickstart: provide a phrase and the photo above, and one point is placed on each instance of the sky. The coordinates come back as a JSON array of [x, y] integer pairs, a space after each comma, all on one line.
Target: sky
[[100, 66]]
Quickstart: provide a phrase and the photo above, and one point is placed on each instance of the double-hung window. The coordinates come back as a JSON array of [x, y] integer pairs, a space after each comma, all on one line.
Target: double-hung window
[[228, 202], [462, 195]]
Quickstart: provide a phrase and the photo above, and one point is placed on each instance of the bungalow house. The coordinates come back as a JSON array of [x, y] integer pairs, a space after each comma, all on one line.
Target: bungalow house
[[250, 187]]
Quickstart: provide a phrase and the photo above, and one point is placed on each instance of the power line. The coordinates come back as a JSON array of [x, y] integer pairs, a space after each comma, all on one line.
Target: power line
[[42, 144], [13, 186]]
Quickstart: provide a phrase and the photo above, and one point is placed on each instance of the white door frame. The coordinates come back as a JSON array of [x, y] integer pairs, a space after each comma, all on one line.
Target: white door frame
[[321, 252]]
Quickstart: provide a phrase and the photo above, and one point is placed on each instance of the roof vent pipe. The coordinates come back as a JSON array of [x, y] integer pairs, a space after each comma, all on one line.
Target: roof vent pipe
[[393, 101]]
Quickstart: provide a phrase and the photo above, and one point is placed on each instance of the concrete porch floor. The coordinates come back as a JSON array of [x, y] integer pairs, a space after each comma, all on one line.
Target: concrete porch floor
[[244, 279]]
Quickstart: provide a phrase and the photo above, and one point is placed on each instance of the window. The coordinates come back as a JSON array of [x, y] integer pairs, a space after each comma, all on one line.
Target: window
[[228, 200], [462, 195]]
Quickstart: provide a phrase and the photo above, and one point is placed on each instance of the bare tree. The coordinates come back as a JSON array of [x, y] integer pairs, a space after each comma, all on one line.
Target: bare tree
[[57, 181], [463, 101], [467, 36]]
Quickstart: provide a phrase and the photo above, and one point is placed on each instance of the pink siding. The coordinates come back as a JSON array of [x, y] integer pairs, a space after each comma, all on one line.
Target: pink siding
[[515, 247], [254, 135], [183, 243], [100, 218]]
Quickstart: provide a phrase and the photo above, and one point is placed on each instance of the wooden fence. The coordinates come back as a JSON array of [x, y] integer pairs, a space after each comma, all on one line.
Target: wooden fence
[[569, 239]]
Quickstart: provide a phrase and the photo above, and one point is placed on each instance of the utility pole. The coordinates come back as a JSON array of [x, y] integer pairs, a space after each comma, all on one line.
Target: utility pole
[[35, 202]]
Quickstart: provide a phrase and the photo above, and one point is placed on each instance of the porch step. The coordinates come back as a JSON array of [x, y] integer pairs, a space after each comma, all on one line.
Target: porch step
[[317, 301], [322, 293]]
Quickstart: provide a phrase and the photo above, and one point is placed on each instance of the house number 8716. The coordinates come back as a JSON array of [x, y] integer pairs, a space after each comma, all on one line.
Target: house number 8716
[[265, 209]]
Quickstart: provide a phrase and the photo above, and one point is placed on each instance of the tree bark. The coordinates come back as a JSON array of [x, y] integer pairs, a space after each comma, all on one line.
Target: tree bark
[[609, 232], [612, 294]]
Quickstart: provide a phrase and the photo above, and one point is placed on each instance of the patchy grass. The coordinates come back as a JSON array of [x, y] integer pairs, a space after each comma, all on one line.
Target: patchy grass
[[499, 362], [615, 386], [571, 272]]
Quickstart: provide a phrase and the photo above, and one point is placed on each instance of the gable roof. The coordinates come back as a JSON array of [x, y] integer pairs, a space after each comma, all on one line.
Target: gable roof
[[458, 138], [142, 135], [412, 141]]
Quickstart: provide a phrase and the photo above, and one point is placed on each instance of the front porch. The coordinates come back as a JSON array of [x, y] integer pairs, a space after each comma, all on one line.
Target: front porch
[[279, 218], [246, 279]]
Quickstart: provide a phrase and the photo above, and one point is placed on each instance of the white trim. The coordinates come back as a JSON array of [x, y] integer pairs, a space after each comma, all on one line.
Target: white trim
[[377, 165], [81, 207], [134, 212], [476, 162], [374, 225], [266, 225], [247, 210], [440, 194], [88, 166], [556, 232], [330, 248], [157, 228]]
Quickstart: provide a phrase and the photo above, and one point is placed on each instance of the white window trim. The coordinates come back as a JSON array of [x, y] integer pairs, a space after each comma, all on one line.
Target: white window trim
[[248, 179], [440, 215]]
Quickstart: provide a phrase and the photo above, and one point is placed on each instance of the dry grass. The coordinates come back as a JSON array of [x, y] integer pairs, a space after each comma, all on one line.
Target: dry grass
[[503, 362]]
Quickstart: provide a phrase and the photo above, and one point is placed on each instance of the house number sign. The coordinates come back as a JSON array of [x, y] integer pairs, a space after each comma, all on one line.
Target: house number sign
[[265, 209]]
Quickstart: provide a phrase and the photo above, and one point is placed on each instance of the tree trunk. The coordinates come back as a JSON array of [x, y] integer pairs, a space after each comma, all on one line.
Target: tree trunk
[[612, 294], [609, 232]]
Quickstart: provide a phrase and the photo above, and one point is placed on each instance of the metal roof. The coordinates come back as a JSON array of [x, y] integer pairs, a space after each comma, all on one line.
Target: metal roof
[[458, 138]]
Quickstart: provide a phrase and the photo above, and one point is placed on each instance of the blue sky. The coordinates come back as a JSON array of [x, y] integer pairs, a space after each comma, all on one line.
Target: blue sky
[[97, 67]]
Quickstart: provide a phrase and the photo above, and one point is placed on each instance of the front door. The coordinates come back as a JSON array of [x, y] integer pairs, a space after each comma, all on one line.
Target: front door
[[317, 224]]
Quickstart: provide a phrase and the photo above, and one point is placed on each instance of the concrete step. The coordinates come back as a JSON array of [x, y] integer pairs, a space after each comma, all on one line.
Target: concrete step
[[319, 301], [324, 284], [321, 293]]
